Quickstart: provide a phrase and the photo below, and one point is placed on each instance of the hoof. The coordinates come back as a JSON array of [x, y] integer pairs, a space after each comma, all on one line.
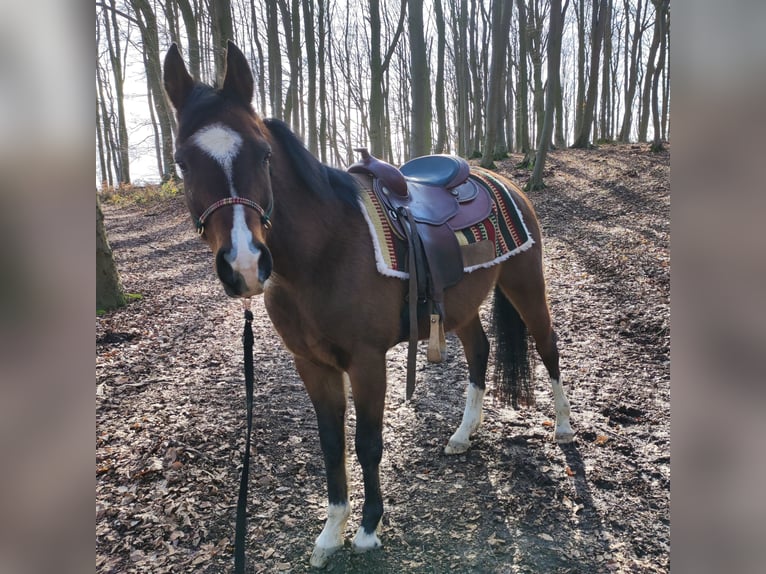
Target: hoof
[[564, 436], [364, 542], [320, 556], [455, 447]]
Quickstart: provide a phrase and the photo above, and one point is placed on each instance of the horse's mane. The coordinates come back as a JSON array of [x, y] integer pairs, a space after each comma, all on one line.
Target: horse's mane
[[327, 182]]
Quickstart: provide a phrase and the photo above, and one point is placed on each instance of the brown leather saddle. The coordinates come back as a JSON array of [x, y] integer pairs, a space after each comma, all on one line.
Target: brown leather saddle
[[427, 199]]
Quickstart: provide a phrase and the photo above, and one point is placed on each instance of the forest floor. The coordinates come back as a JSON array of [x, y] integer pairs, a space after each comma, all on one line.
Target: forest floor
[[170, 403]]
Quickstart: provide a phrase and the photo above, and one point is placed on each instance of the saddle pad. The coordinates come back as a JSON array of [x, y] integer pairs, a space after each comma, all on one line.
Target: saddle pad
[[487, 243]]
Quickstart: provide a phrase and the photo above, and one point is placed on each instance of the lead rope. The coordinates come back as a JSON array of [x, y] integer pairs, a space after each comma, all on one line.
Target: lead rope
[[241, 529]]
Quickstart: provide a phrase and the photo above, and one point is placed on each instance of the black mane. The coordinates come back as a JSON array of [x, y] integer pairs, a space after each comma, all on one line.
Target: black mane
[[324, 180]]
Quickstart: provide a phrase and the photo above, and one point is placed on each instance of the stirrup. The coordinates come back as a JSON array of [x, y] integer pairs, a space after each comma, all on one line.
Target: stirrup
[[437, 343]]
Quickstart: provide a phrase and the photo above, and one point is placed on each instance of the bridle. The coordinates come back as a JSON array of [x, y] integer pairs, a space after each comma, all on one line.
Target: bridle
[[264, 213]]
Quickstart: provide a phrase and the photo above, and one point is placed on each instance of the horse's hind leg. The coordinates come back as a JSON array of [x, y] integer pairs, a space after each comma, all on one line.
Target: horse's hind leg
[[327, 389], [527, 294], [476, 349]]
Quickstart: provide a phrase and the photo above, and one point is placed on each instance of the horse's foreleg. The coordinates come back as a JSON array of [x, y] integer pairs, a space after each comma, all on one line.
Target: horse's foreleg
[[368, 383], [476, 349], [327, 389]]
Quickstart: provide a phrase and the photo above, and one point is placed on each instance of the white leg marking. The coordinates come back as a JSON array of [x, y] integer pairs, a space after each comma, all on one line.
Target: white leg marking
[[331, 538], [364, 542], [472, 417], [563, 432]]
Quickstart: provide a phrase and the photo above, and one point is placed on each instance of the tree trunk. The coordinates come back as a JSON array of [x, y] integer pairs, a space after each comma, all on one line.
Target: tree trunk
[[322, 58], [536, 55], [632, 79], [460, 38], [147, 23], [109, 291], [311, 62], [275, 60], [643, 125], [662, 10], [192, 33], [223, 30], [420, 144], [501, 23], [115, 55], [580, 101], [597, 35], [666, 89], [522, 104], [604, 110], [439, 96], [378, 65], [554, 74], [476, 77]]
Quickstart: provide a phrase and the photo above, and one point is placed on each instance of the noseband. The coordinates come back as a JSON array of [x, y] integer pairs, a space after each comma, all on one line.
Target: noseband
[[265, 215]]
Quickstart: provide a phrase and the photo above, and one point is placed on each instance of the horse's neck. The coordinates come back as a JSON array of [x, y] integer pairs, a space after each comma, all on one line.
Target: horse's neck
[[304, 230]]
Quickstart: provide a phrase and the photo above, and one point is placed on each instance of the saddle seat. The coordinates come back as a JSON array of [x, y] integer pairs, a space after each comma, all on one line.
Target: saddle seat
[[427, 200], [435, 189]]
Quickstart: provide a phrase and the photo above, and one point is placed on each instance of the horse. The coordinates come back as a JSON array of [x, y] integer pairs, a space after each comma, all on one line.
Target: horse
[[282, 224]]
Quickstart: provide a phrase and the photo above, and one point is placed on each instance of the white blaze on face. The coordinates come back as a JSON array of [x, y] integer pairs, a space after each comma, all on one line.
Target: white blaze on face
[[223, 144]]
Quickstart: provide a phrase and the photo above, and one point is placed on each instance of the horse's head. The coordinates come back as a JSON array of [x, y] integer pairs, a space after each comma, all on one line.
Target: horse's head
[[223, 151]]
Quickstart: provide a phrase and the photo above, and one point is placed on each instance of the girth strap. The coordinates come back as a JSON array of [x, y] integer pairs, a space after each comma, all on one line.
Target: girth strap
[[417, 290]]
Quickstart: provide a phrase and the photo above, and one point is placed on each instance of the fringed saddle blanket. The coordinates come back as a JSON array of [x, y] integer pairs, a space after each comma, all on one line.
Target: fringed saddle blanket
[[489, 242]]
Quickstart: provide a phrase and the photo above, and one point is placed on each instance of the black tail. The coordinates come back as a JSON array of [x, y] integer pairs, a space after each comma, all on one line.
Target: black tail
[[513, 374]]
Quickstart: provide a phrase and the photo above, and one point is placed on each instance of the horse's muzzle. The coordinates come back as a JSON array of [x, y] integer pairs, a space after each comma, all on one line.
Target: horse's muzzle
[[243, 275]]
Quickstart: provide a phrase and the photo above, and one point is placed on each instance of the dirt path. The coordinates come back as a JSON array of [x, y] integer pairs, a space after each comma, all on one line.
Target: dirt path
[[170, 410]]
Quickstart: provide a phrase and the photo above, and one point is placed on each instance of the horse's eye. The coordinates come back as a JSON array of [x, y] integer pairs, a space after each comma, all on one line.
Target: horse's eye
[[180, 162]]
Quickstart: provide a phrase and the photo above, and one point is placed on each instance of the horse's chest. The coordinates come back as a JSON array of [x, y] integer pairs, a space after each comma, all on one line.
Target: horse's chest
[[304, 331]]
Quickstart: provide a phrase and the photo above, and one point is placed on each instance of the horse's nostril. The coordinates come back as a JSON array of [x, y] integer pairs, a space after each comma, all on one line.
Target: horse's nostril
[[264, 263], [223, 269]]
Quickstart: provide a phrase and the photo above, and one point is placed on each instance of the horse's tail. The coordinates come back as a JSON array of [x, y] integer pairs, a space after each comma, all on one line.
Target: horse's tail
[[513, 374]]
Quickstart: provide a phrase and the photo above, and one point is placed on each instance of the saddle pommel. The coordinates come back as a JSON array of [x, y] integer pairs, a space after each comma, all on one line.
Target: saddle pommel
[[388, 175]]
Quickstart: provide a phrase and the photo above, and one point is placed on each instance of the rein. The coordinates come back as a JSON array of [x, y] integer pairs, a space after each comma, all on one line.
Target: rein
[[265, 215], [240, 534]]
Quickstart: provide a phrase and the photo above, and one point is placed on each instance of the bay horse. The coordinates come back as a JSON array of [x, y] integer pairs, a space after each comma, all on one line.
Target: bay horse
[[282, 224]]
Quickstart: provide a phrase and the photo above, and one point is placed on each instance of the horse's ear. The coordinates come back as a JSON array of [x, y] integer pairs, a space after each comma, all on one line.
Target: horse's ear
[[238, 80], [178, 82]]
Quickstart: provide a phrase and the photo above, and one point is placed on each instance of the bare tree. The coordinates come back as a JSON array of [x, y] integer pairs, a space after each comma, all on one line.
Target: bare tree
[[598, 27], [109, 291], [522, 103], [662, 13], [379, 63], [439, 95], [147, 23], [555, 33], [117, 60], [646, 94], [632, 72], [501, 24], [420, 141]]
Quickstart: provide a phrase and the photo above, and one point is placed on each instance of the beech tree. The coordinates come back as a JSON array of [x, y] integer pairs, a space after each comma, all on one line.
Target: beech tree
[[109, 291]]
